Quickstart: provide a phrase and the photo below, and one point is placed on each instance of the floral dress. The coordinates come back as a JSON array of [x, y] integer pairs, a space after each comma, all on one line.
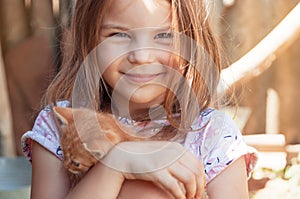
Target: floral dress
[[214, 139]]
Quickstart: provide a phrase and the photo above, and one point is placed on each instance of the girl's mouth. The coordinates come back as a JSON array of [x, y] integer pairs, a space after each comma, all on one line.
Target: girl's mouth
[[141, 78]]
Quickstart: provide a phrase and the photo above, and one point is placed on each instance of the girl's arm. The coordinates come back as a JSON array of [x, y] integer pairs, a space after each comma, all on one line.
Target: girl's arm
[[137, 189], [50, 180], [168, 165], [100, 182], [230, 183]]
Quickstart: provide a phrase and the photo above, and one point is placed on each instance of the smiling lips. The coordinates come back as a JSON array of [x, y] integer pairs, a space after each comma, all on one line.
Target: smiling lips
[[141, 78]]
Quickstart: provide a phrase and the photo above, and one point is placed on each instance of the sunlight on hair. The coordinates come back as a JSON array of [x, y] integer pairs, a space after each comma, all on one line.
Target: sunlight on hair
[[55, 7], [27, 3], [209, 6], [228, 3]]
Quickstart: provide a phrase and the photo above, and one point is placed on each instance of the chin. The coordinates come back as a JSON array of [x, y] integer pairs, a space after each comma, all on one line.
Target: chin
[[143, 100], [148, 98]]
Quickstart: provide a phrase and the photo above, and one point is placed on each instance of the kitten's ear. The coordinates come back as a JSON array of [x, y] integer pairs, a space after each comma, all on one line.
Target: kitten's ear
[[63, 115]]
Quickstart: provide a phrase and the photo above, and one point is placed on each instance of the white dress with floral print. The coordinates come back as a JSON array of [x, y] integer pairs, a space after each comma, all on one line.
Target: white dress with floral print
[[215, 140]]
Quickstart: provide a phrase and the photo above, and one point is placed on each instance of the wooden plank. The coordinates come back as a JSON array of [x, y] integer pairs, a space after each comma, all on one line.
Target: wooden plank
[[7, 138], [266, 142], [293, 151], [271, 148]]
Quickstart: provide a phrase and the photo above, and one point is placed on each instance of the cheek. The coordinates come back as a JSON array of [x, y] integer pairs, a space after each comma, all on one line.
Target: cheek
[[108, 56], [170, 60], [165, 58], [110, 75]]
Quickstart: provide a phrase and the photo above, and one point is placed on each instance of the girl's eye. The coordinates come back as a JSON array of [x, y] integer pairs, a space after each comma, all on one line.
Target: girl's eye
[[165, 35], [119, 34]]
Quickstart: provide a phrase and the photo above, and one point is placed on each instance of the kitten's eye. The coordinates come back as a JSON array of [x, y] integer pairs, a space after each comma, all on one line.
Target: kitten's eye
[[165, 35], [76, 164]]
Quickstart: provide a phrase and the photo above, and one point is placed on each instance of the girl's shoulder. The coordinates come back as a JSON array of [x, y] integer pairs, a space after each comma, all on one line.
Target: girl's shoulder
[[217, 141], [212, 119], [44, 132], [208, 128]]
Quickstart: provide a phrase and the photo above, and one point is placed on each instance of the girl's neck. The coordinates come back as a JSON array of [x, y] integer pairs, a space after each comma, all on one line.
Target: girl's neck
[[137, 114]]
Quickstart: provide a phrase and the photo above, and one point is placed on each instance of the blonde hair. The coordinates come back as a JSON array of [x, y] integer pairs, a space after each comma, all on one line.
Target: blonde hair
[[189, 17]]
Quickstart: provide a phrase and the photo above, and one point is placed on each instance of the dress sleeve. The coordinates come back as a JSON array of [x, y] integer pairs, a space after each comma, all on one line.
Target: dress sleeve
[[218, 143], [45, 133]]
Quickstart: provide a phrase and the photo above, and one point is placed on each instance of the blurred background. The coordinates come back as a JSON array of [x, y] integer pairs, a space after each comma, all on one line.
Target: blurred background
[[268, 113]]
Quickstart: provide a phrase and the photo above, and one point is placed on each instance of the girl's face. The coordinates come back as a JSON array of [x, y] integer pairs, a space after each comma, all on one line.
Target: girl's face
[[135, 52]]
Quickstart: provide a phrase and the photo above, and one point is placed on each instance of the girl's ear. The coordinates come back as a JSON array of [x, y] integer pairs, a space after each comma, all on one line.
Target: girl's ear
[[63, 115]]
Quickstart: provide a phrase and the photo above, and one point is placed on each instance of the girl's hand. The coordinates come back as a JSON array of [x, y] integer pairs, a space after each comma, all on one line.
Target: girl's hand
[[166, 164]]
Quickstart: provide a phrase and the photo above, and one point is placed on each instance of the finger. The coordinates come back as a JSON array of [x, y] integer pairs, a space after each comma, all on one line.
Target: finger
[[196, 166], [192, 162], [185, 176], [201, 184], [200, 177], [167, 182]]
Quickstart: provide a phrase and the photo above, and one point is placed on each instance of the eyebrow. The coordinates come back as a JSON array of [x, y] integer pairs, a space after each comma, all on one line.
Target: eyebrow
[[113, 26], [119, 27]]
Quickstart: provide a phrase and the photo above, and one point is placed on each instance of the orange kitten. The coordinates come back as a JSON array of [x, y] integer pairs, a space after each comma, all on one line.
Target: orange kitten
[[99, 132]]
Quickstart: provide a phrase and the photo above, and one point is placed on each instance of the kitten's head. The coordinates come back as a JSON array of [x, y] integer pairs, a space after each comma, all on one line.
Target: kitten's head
[[62, 117], [79, 140]]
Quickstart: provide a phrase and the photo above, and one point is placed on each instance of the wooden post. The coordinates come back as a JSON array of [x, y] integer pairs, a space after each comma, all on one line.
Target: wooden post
[[272, 112], [6, 134], [260, 58]]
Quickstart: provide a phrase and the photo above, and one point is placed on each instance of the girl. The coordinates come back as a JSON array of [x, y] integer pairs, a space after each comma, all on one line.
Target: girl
[[157, 61]]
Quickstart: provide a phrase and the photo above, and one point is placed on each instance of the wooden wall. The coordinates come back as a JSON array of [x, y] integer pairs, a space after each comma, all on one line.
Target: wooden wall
[[30, 34], [243, 25], [26, 34]]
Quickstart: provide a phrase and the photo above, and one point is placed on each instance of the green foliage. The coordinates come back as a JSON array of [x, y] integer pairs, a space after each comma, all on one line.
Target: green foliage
[[284, 184]]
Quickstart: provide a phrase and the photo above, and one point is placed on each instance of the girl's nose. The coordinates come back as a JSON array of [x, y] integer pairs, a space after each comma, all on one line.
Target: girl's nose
[[141, 56]]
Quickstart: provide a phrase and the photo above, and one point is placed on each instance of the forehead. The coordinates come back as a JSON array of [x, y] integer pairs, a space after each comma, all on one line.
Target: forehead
[[139, 13]]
